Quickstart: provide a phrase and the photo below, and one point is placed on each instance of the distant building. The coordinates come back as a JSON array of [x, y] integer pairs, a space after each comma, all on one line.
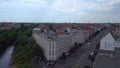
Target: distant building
[[7, 27], [117, 31], [36, 29], [80, 36]]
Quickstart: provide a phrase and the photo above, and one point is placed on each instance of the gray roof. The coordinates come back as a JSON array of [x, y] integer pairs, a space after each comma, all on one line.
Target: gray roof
[[103, 61]]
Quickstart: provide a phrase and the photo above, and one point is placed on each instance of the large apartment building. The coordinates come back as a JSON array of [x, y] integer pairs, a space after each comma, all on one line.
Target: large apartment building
[[54, 45]]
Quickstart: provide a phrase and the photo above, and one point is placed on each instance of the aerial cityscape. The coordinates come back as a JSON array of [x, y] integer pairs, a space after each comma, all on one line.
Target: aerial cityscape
[[60, 45], [59, 34]]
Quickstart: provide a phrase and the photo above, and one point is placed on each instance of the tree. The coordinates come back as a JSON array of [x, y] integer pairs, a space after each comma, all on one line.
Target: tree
[[21, 39], [3, 40], [51, 27], [63, 56]]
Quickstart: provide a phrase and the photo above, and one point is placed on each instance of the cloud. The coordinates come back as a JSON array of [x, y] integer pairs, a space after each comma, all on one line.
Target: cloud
[[25, 3], [83, 5], [69, 6], [65, 6], [104, 5]]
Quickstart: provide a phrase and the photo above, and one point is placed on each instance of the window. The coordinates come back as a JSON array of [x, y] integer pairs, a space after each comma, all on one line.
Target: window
[[52, 53], [52, 57], [109, 45], [50, 46], [53, 46], [49, 53], [105, 45]]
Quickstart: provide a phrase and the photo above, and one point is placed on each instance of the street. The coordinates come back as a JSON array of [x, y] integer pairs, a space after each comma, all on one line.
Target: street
[[83, 60]]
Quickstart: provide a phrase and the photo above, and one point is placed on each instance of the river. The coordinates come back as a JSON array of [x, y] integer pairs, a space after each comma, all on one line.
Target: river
[[5, 58]]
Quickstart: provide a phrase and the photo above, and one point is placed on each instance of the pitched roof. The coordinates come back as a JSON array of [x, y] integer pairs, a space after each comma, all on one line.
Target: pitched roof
[[113, 35]]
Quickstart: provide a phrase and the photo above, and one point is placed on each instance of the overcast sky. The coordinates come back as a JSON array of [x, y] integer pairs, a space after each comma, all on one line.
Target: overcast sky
[[60, 10]]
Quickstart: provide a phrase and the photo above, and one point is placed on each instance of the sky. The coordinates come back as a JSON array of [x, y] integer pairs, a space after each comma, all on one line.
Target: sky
[[75, 11]]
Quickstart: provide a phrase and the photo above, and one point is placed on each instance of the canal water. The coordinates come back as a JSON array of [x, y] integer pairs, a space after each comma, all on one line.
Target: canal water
[[5, 58]]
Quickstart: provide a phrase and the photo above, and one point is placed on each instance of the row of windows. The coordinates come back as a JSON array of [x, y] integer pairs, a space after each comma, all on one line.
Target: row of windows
[[51, 53], [51, 58], [108, 45], [51, 46]]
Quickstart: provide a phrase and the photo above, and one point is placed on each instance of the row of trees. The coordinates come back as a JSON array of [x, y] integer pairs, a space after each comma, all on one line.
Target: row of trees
[[7, 37], [25, 48]]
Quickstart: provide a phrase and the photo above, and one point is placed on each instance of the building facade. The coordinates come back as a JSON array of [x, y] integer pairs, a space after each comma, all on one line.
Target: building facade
[[54, 47], [107, 43]]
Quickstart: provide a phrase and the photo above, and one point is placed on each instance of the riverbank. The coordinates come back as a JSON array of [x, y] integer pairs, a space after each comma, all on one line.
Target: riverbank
[[7, 37], [10, 65], [5, 58], [2, 51]]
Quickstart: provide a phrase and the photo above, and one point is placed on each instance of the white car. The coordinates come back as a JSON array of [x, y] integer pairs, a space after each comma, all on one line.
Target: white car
[[92, 53], [88, 43]]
